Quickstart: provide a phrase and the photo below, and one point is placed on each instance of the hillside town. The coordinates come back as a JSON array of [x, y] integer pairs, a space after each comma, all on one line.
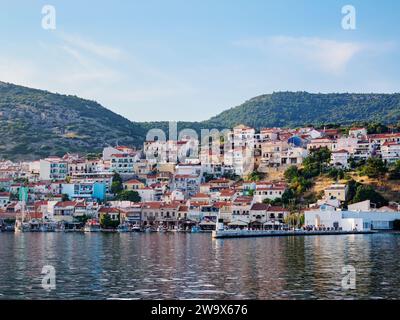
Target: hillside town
[[188, 184]]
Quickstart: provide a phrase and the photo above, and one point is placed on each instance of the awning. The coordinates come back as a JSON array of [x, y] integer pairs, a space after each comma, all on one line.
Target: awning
[[237, 223], [271, 223], [207, 223]]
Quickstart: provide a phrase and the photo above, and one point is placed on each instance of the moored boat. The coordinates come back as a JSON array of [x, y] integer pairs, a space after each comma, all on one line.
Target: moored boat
[[124, 227], [136, 228], [92, 225]]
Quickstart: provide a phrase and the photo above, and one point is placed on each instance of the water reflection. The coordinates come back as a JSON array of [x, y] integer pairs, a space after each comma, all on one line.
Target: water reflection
[[190, 266]]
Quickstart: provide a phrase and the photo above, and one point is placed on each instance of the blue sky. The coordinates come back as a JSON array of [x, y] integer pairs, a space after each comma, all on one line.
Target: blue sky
[[189, 60]]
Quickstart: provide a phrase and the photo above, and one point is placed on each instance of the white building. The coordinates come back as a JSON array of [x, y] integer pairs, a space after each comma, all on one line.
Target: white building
[[337, 191], [122, 163], [53, 168], [340, 158], [146, 194], [390, 151], [351, 220], [332, 219]]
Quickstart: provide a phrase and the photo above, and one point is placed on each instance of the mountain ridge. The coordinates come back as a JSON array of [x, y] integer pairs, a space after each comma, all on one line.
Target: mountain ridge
[[36, 123]]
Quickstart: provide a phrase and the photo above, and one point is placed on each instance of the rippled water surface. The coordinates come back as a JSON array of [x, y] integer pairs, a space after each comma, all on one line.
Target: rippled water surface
[[190, 266]]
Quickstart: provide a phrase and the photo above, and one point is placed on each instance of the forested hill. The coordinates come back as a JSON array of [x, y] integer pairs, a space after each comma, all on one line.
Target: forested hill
[[291, 109], [36, 123]]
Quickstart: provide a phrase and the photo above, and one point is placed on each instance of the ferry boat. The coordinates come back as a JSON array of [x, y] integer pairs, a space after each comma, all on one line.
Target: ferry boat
[[92, 226]]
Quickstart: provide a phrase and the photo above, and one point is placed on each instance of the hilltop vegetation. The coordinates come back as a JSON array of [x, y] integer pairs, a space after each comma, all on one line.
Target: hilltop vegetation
[[293, 109], [36, 123]]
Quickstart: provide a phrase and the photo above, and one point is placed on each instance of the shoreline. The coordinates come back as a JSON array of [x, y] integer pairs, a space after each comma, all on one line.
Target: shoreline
[[255, 233]]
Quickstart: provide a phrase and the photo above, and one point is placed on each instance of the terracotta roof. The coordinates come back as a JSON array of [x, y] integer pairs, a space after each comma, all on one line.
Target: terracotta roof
[[109, 210], [200, 195], [384, 135], [259, 207], [65, 204], [390, 143], [183, 208], [276, 209], [220, 204], [152, 205], [133, 181], [227, 192], [340, 151]]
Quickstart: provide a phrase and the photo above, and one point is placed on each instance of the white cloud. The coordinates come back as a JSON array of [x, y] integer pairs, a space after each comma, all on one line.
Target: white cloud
[[91, 47], [328, 55]]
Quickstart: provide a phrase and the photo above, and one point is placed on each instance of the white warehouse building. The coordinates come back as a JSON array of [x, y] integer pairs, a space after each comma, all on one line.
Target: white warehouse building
[[350, 220]]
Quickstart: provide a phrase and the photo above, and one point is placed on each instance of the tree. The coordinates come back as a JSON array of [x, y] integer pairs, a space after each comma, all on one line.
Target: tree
[[128, 195], [208, 177], [394, 172], [267, 201], [93, 156], [373, 168], [288, 196], [116, 185], [107, 223], [254, 176], [316, 162], [352, 189], [365, 192], [82, 219], [294, 219], [373, 128], [336, 174], [64, 197], [291, 173]]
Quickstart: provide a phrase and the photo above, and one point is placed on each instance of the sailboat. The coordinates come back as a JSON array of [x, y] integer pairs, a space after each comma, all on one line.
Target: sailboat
[[20, 224]]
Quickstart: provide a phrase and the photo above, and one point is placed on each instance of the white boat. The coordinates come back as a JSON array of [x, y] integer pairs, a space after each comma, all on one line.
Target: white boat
[[136, 228], [92, 226], [60, 228], [123, 228], [21, 226], [162, 229], [195, 229]]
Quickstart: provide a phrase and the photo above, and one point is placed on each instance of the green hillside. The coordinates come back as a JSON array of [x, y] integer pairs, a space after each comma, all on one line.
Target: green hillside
[[291, 109], [36, 123]]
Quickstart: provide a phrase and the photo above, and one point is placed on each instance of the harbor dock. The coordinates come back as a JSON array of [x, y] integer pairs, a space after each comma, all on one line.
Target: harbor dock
[[280, 233]]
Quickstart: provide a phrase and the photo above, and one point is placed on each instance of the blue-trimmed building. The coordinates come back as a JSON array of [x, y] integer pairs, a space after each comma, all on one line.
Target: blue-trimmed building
[[87, 190]]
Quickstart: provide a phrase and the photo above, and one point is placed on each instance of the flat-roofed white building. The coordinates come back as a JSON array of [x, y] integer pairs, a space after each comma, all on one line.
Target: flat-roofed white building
[[351, 220]]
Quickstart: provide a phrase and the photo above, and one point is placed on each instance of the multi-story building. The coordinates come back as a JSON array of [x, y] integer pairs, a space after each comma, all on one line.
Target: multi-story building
[[85, 190], [390, 152], [53, 168], [122, 163], [340, 158], [337, 191]]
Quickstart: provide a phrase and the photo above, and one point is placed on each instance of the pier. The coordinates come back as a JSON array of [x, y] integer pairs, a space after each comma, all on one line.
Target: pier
[[279, 233]]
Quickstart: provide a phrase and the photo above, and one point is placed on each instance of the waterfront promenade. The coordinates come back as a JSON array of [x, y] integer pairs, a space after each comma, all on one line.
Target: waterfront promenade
[[279, 233]]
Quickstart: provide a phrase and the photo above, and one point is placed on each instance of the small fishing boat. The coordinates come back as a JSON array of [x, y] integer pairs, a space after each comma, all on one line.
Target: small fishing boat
[[136, 228], [124, 227], [21, 226], [92, 225]]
